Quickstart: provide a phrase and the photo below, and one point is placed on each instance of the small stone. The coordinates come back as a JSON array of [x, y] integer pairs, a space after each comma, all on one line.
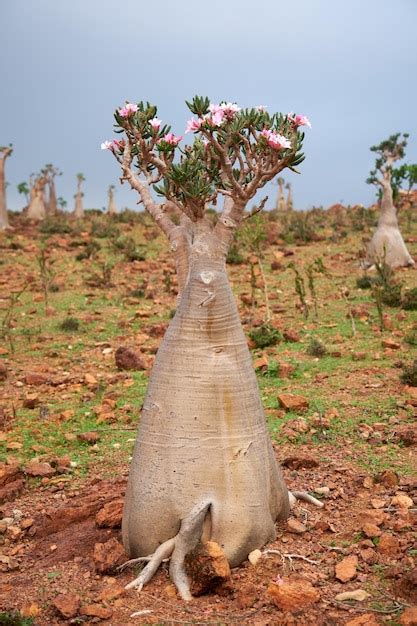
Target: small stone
[[346, 569], [322, 491], [108, 556], [299, 462], [293, 595], [291, 402], [110, 516], [67, 604], [128, 359], [3, 371], [388, 545], [402, 501], [89, 379], [254, 557], [390, 344], [36, 379], [31, 401], [13, 533], [366, 619], [295, 526], [90, 437], [207, 568], [378, 503], [369, 555], [357, 594], [373, 516], [246, 596], [409, 617], [112, 592], [388, 478], [34, 468], [371, 530]]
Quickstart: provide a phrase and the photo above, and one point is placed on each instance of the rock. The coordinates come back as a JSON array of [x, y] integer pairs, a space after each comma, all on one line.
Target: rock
[[291, 402], [369, 556], [285, 370], [89, 379], [90, 437], [108, 556], [409, 617], [358, 594], [291, 335], [11, 490], [371, 530], [111, 592], [406, 434], [388, 478], [359, 356], [295, 526], [13, 533], [31, 401], [110, 516], [373, 516], [402, 501], [128, 359], [293, 595], [254, 557], [378, 503], [96, 610], [366, 619], [346, 569], [36, 379], [35, 468], [207, 567], [388, 545], [67, 604], [390, 344], [300, 462], [246, 596]]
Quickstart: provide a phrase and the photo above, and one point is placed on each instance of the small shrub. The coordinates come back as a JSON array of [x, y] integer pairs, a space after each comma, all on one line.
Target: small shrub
[[55, 226], [89, 252], [316, 347], [391, 295], [265, 335], [54, 287], [409, 374], [137, 293], [104, 229], [234, 257], [14, 618], [409, 302], [70, 324], [411, 338], [364, 282]]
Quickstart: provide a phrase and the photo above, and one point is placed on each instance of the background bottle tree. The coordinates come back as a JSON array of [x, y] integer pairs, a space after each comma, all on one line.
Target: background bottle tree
[[24, 189], [387, 242], [5, 151], [79, 204], [50, 172], [203, 465], [37, 209], [289, 203], [111, 206], [280, 204]]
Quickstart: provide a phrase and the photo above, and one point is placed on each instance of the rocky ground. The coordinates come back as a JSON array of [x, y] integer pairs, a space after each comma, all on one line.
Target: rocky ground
[[342, 422]]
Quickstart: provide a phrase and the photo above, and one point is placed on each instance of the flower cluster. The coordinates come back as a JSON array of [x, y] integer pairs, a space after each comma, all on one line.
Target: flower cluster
[[219, 113], [128, 110], [275, 140], [299, 120], [170, 139], [155, 123]]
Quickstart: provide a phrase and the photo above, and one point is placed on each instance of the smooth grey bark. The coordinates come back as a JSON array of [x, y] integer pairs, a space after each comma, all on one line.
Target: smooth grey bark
[[203, 441], [387, 243]]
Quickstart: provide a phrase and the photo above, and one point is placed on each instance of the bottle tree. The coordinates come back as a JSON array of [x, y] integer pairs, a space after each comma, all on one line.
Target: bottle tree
[[203, 466], [289, 203], [5, 151], [79, 205], [280, 203], [111, 206], [37, 209], [387, 243], [23, 188], [50, 172]]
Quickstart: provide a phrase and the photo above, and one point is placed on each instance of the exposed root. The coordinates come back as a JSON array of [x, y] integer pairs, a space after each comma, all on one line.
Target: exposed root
[[140, 559], [177, 548], [164, 551], [303, 495]]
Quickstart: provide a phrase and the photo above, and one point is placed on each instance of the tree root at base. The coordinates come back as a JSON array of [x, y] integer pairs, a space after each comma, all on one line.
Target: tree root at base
[[303, 495], [177, 548]]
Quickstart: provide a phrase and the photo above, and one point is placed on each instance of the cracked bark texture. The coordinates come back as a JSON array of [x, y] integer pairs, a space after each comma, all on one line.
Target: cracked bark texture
[[202, 437]]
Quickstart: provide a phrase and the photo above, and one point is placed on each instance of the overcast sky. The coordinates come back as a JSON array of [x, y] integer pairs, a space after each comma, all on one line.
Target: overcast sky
[[66, 65]]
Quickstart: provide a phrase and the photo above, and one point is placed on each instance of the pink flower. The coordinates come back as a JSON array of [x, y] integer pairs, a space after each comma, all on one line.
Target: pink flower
[[225, 109], [275, 140], [261, 108], [299, 120], [155, 123], [230, 109], [194, 124], [171, 139], [128, 110], [119, 144], [106, 145]]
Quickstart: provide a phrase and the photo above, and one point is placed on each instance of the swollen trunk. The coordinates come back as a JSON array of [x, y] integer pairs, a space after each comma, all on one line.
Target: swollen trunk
[[202, 436], [4, 219]]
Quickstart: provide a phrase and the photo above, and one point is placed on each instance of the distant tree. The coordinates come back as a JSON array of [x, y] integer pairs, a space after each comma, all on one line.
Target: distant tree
[[111, 207], [79, 205], [23, 188], [50, 172], [387, 242], [62, 203], [36, 209], [280, 205], [289, 204], [5, 151]]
